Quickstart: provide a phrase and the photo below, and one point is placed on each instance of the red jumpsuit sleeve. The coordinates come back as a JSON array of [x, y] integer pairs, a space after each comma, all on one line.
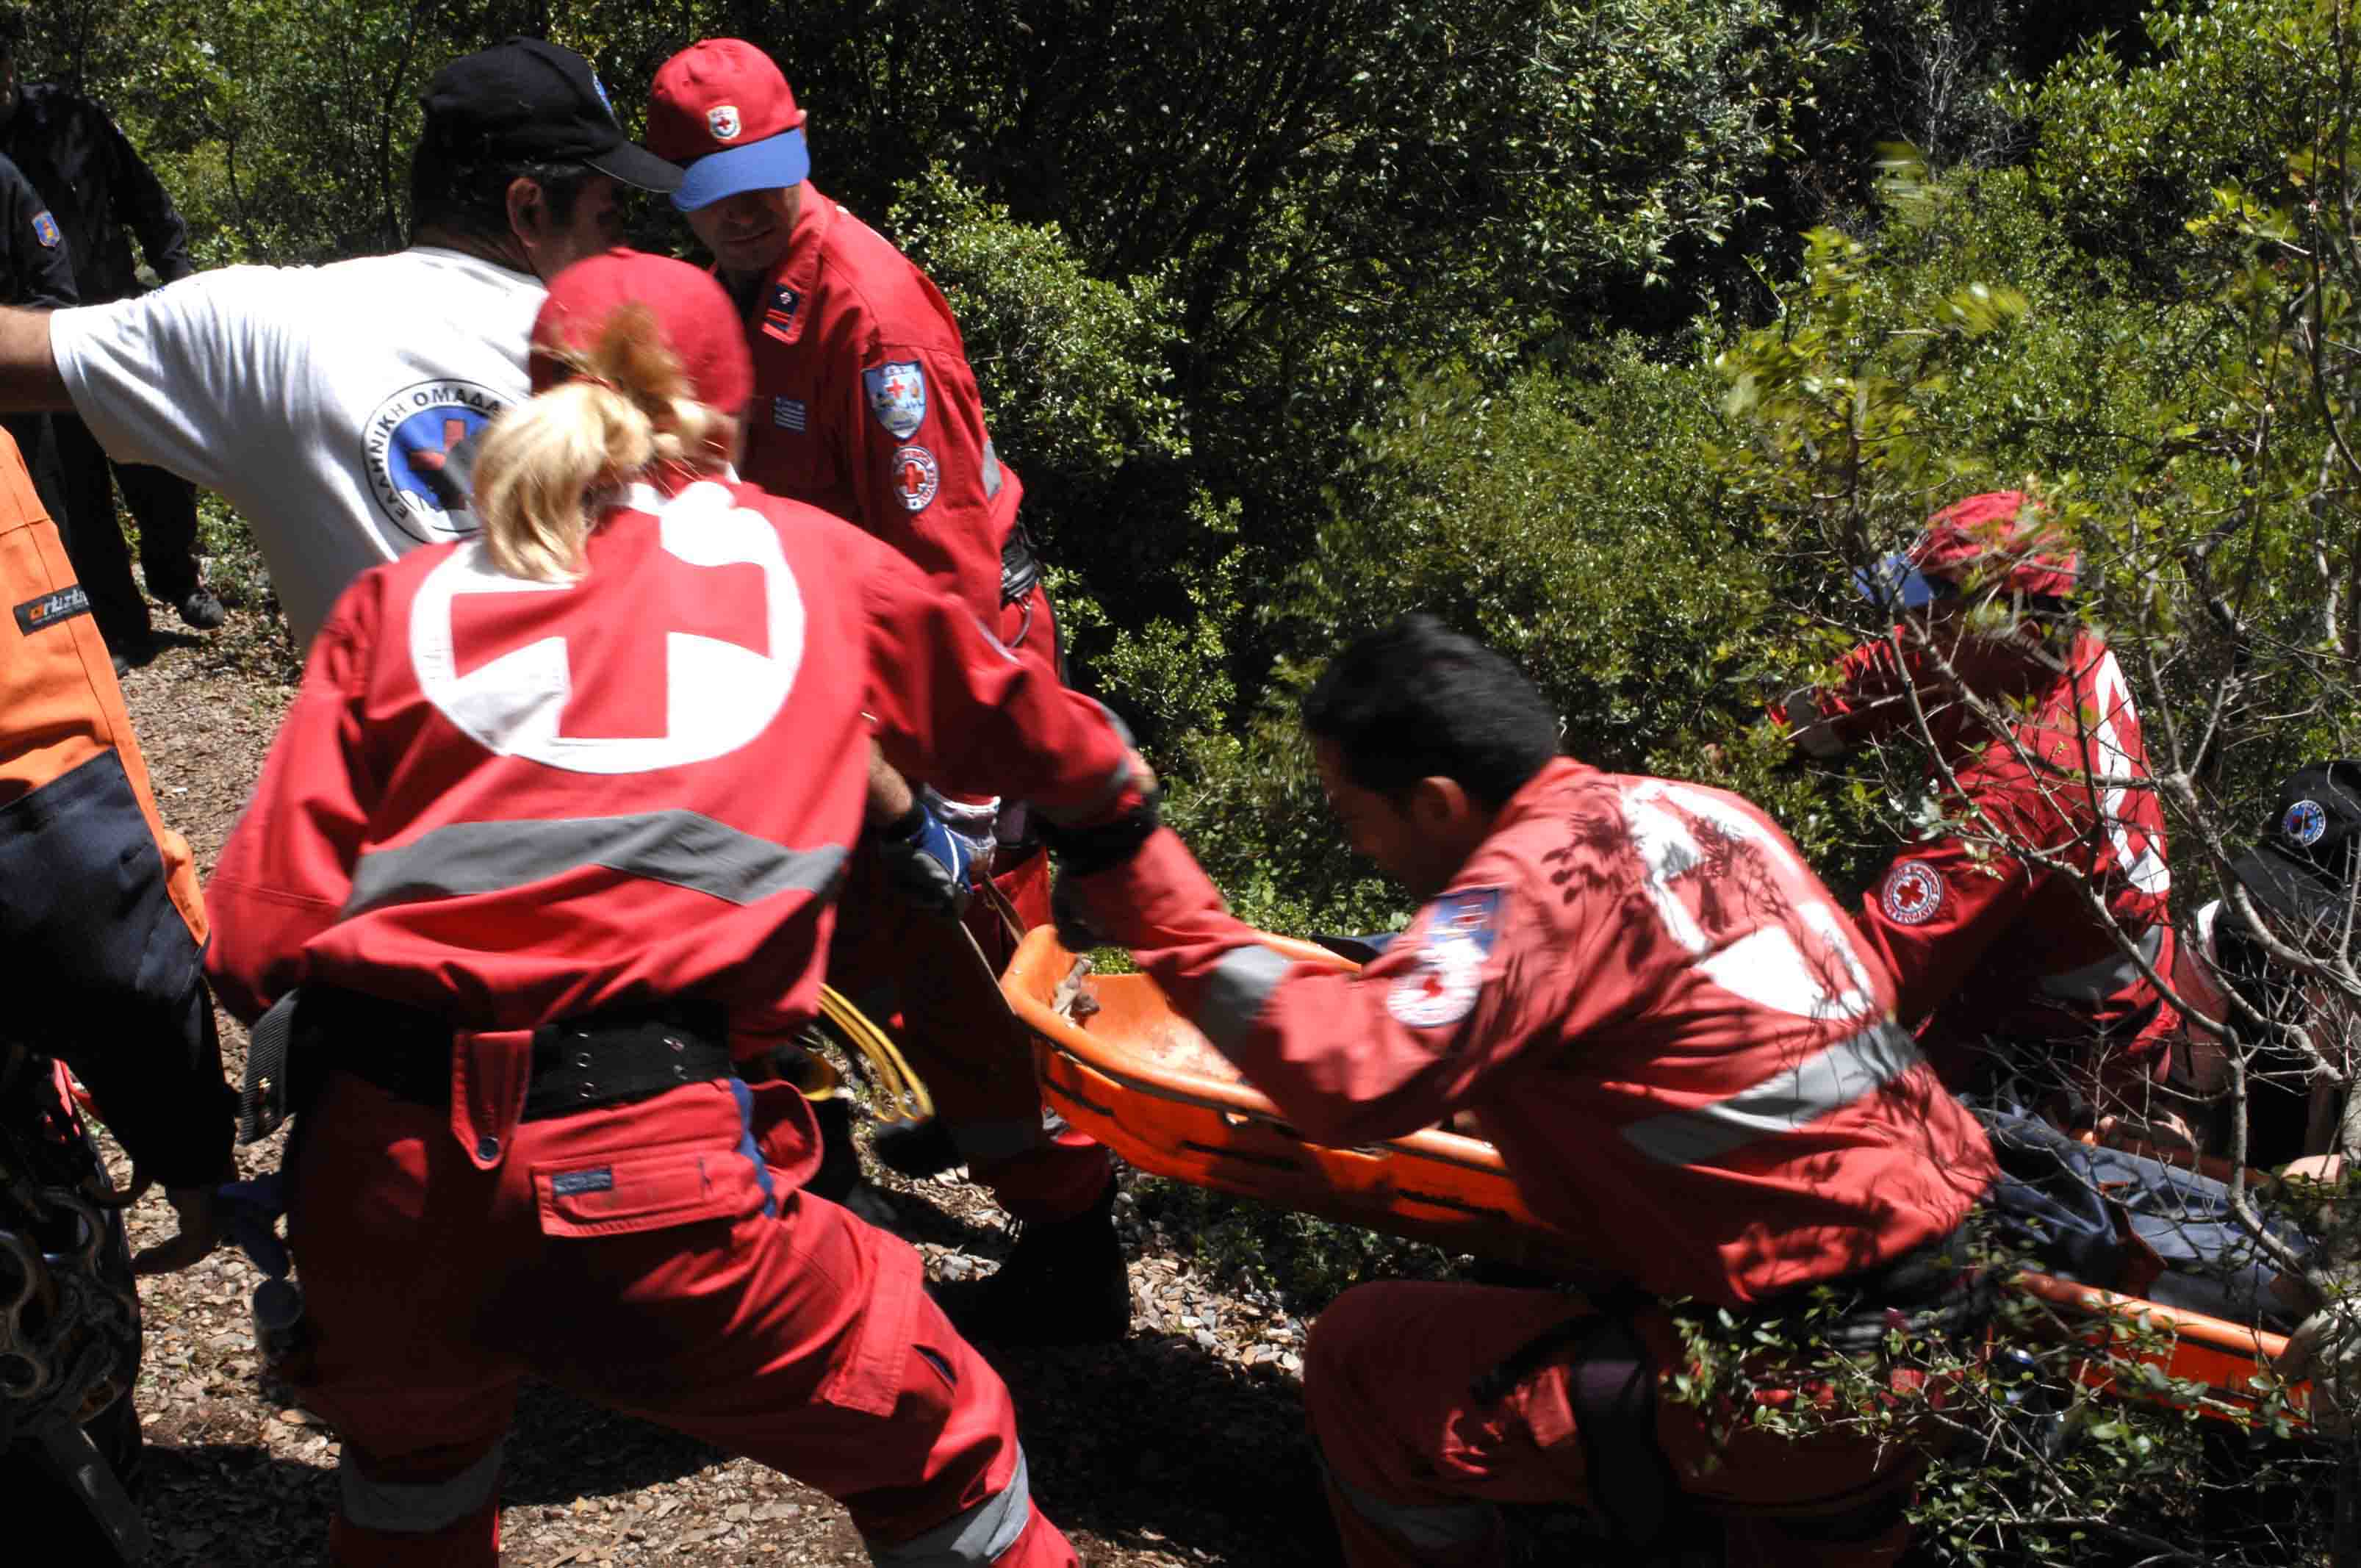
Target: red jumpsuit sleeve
[[1866, 703], [930, 493], [286, 870], [956, 707], [1351, 1057], [1939, 906]]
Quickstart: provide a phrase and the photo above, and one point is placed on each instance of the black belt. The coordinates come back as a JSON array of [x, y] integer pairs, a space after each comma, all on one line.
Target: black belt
[[610, 1057]]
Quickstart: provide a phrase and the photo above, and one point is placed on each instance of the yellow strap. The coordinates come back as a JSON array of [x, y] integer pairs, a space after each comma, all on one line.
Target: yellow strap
[[900, 1091]]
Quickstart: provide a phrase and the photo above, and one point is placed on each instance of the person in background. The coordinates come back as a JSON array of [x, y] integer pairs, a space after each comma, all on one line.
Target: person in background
[[2300, 877], [337, 408], [36, 272], [1984, 924], [97, 186], [865, 407]]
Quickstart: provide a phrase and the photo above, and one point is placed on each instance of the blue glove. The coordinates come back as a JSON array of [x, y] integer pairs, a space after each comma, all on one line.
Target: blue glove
[[249, 1212], [926, 861]]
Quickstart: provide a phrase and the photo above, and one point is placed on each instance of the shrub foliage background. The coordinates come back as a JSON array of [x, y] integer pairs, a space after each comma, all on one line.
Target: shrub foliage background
[[1603, 329]]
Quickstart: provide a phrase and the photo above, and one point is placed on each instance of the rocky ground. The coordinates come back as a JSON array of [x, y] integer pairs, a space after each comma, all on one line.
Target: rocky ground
[[1180, 1446]]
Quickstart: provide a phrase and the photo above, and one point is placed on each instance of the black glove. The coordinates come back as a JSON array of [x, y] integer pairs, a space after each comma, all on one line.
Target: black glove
[[1075, 933], [1103, 845]]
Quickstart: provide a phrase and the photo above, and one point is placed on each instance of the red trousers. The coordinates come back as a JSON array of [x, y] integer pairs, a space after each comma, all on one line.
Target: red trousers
[[1416, 1463], [960, 1035], [650, 1257]]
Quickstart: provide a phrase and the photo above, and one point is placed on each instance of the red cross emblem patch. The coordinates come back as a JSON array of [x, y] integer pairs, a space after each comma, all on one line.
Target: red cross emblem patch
[[1912, 893]]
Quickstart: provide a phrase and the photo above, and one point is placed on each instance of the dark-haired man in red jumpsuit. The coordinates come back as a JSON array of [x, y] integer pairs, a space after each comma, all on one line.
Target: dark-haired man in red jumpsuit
[[1660, 1017], [864, 406], [542, 862], [1985, 925]]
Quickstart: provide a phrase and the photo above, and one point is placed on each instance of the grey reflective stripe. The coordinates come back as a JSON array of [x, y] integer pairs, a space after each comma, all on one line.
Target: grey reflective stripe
[[414, 1508], [985, 1142], [683, 847], [2097, 981], [975, 1538], [1824, 1082], [1441, 1528], [1242, 979]]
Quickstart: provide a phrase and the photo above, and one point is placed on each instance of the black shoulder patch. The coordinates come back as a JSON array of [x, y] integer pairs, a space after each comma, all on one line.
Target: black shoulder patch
[[35, 615]]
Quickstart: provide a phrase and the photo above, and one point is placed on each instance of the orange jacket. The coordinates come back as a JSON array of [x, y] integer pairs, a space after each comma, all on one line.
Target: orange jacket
[[100, 917], [58, 704]]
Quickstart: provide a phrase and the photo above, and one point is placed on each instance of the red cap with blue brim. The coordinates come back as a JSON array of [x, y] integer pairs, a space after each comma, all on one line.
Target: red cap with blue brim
[[721, 111]]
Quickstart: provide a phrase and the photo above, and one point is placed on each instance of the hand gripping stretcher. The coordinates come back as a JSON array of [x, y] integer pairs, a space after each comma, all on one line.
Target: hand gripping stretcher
[[1117, 1062]]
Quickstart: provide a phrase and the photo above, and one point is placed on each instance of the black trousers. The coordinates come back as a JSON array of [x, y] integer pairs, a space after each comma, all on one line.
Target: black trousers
[[166, 507], [37, 443]]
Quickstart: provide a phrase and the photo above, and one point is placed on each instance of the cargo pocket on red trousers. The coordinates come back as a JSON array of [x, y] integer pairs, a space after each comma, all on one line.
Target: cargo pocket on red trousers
[[645, 1190], [871, 1376]]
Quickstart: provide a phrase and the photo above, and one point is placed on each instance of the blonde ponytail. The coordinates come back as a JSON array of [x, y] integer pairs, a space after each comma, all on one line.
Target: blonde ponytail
[[628, 408]]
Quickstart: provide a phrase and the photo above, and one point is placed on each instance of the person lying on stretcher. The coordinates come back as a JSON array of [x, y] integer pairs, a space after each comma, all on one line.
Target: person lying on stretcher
[[1665, 1024]]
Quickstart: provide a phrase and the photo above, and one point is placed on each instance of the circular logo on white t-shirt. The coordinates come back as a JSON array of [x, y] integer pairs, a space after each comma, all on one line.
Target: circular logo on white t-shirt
[[418, 451], [675, 685]]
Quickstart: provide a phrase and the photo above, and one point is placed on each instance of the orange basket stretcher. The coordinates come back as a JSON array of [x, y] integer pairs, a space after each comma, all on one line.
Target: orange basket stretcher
[[1124, 1068]]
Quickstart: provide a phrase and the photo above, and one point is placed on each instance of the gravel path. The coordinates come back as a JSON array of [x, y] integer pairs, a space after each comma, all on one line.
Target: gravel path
[[1180, 1446]]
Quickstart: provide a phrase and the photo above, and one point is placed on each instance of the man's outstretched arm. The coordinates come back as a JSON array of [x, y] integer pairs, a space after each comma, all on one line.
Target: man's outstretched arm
[[29, 382]]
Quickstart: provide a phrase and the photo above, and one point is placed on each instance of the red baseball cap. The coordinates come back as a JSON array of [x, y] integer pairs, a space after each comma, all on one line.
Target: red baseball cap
[[692, 311], [1999, 539], [723, 112]]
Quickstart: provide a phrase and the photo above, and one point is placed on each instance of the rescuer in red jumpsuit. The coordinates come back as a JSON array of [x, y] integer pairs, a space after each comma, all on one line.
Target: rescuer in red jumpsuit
[[1985, 925], [864, 406], [546, 846], [1660, 1017]]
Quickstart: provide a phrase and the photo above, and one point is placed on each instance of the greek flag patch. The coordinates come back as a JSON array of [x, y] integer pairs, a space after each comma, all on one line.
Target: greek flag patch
[[788, 413]]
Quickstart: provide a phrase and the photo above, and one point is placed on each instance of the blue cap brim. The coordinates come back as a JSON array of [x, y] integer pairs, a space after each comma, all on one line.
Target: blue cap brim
[[1891, 582], [765, 165]]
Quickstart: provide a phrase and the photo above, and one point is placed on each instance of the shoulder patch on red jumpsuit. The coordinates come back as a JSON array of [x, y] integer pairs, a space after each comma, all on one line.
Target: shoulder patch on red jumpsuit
[[1913, 895], [897, 395], [917, 477], [1461, 927]]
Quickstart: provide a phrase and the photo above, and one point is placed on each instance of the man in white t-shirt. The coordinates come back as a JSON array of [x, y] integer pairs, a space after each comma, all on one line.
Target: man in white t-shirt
[[336, 407]]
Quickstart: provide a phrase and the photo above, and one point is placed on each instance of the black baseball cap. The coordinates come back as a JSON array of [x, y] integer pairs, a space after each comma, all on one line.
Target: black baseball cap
[[2304, 867], [536, 102]]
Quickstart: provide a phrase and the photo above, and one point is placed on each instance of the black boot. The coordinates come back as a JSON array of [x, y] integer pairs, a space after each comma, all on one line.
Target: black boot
[[1063, 1284], [920, 1150], [838, 1179]]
